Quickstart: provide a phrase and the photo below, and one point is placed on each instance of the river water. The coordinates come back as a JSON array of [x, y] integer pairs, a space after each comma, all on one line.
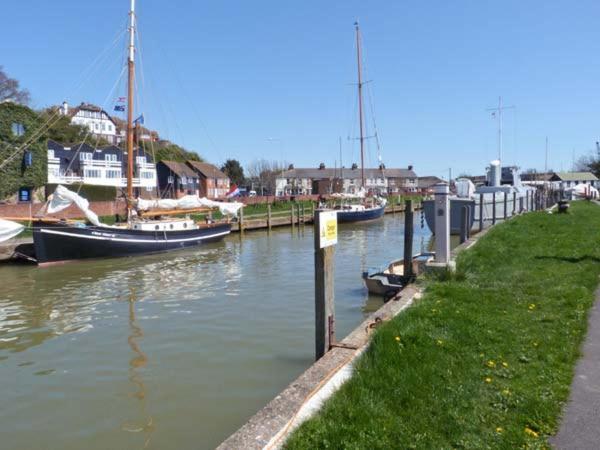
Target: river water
[[171, 351]]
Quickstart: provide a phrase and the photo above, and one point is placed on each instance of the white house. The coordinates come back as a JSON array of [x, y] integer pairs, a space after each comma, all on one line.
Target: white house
[[106, 166], [327, 181], [564, 180], [98, 121]]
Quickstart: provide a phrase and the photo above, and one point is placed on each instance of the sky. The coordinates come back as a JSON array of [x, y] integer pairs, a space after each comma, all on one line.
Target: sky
[[277, 79]]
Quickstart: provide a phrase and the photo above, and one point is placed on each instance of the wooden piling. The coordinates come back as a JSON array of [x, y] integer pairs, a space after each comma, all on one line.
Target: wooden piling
[[269, 216], [408, 238], [514, 204], [324, 293], [464, 224], [241, 221], [481, 212], [292, 219], [493, 208]]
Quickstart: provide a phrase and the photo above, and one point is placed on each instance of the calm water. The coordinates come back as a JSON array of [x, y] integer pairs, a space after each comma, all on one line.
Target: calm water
[[170, 351]]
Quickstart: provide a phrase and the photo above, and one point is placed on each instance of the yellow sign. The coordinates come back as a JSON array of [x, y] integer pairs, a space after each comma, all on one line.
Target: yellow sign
[[328, 228]]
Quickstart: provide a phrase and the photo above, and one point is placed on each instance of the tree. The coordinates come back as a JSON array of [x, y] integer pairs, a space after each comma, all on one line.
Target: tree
[[264, 174], [167, 151], [60, 129], [589, 163], [9, 90], [234, 170]]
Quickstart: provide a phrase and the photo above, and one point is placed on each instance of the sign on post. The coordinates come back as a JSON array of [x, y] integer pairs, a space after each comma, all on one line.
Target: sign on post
[[327, 228], [325, 232]]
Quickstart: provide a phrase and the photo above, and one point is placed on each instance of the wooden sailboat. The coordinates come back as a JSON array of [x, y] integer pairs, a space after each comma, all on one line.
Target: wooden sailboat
[[375, 208], [61, 241]]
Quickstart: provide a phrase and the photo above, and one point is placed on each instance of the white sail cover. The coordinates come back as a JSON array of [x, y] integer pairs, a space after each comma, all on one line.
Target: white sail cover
[[9, 229], [464, 188], [63, 198], [189, 202], [583, 190]]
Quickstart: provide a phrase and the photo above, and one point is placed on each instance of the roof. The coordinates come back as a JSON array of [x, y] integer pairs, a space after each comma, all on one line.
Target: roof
[[206, 169], [427, 182], [575, 176], [89, 107], [347, 173], [537, 176], [179, 169]]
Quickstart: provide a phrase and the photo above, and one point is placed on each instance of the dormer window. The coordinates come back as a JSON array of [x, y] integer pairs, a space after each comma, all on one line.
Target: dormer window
[[85, 157]]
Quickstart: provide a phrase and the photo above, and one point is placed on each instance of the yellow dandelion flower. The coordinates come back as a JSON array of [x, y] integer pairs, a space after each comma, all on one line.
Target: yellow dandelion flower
[[532, 307], [397, 338], [504, 364], [506, 392], [530, 432], [488, 380], [440, 342], [491, 363], [535, 344], [499, 430]]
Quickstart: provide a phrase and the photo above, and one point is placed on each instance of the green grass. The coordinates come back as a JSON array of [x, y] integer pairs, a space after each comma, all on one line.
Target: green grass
[[484, 360]]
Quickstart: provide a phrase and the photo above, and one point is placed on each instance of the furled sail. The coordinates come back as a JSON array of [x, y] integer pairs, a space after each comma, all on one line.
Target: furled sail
[[62, 198], [189, 202], [9, 229]]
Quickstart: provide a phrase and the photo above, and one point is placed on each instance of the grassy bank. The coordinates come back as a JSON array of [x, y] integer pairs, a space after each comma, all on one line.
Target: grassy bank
[[485, 359]]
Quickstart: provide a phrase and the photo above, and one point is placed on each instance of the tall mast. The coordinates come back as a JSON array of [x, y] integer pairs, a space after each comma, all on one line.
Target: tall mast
[[131, 67], [360, 107]]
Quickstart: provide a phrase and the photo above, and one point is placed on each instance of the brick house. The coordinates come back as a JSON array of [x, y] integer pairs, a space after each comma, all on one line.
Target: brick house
[[213, 182]]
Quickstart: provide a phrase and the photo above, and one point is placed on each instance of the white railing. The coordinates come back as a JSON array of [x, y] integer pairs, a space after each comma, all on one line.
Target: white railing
[[101, 163]]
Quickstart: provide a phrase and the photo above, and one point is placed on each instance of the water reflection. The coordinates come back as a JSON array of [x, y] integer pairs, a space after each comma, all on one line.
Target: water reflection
[[145, 423]]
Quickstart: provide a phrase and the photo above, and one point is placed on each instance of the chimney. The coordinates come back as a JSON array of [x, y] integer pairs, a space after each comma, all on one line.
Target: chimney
[[410, 167], [382, 166], [65, 108], [322, 166], [354, 166], [291, 167]]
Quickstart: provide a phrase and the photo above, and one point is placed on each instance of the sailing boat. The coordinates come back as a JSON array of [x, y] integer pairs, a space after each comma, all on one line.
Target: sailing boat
[[145, 231], [368, 209]]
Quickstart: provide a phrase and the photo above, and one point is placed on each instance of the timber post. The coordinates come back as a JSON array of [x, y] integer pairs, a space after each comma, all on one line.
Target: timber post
[[493, 208], [241, 221], [481, 205], [269, 216], [408, 238], [514, 204], [292, 219], [464, 223], [505, 205], [325, 237]]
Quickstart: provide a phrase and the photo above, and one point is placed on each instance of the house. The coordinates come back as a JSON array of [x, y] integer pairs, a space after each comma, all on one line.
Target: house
[[326, 181], [564, 180], [177, 179], [143, 134], [213, 182], [106, 166], [96, 119], [425, 184]]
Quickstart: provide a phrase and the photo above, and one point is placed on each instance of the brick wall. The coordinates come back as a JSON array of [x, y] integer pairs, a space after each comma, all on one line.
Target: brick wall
[[25, 209]]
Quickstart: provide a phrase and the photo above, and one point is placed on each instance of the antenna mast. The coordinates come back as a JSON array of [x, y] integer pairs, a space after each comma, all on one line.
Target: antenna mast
[[130, 83], [360, 107], [499, 110]]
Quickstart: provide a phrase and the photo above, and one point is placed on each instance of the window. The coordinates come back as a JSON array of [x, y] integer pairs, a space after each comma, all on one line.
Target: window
[[113, 174], [92, 173], [18, 129], [103, 127], [110, 127], [97, 127], [147, 175], [50, 154], [85, 157], [54, 171], [170, 180], [110, 157], [184, 180], [140, 160]]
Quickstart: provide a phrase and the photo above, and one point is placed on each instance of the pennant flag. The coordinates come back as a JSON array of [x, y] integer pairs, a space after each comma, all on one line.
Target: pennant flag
[[494, 114], [233, 192], [121, 99], [120, 108], [139, 120]]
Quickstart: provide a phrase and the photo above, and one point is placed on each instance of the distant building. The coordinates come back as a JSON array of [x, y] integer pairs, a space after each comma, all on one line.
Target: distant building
[[425, 184], [106, 166], [95, 119], [177, 179], [213, 182], [326, 181], [564, 180]]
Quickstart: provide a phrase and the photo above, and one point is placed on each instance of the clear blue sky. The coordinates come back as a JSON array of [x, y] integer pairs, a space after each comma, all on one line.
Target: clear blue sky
[[224, 77]]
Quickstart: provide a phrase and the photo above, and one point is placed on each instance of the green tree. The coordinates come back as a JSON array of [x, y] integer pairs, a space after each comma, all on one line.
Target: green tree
[[60, 129], [234, 170], [167, 151]]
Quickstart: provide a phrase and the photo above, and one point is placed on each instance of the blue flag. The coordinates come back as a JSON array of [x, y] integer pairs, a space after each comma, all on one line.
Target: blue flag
[[120, 108], [139, 120]]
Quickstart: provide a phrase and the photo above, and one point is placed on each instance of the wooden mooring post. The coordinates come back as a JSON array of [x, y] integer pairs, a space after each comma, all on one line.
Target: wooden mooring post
[[408, 238], [299, 217], [514, 204], [465, 214], [481, 206], [241, 221], [269, 216], [292, 219], [493, 208], [325, 236]]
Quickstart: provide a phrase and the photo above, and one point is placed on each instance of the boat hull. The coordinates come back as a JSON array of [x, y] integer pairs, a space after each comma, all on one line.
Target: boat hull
[[60, 242], [360, 216]]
